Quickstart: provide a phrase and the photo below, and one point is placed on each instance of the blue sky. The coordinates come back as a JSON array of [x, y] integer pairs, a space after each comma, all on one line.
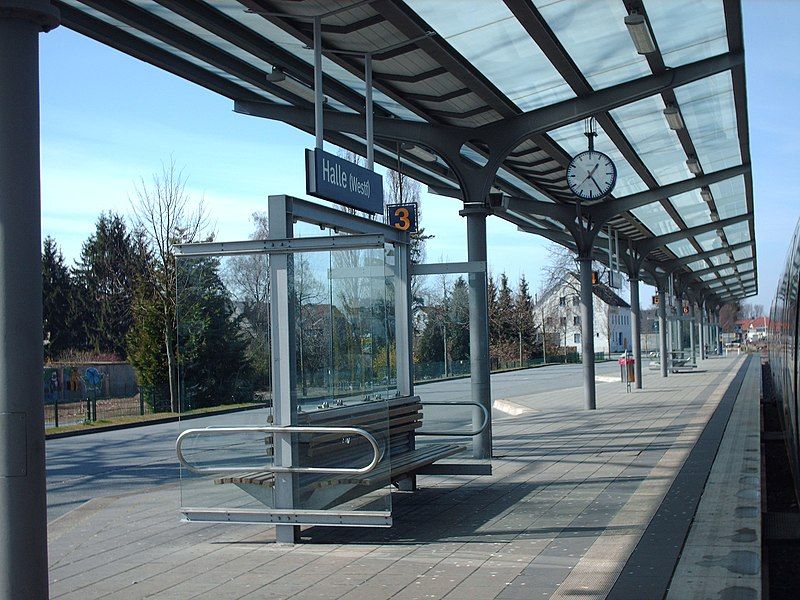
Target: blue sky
[[109, 120]]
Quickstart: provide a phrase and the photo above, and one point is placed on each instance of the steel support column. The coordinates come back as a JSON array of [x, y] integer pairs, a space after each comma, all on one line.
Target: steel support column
[[23, 504], [692, 324], [587, 332], [636, 323], [479, 328], [702, 331], [284, 389], [662, 331]]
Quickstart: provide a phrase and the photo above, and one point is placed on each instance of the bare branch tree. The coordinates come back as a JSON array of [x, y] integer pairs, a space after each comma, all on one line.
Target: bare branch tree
[[166, 215]]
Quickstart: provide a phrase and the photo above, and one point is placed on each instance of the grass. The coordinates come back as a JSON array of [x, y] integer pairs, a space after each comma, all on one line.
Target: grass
[[155, 417]]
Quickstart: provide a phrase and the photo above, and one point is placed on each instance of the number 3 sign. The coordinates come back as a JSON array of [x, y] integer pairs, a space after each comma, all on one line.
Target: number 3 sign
[[403, 216]]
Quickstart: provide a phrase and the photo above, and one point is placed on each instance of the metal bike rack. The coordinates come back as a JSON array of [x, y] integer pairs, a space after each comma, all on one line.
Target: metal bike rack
[[377, 454]]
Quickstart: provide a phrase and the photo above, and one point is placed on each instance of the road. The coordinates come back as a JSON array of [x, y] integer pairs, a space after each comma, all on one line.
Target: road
[[133, 460]]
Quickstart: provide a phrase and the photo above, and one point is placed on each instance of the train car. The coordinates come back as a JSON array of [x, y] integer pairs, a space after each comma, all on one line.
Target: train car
[[783, 351]]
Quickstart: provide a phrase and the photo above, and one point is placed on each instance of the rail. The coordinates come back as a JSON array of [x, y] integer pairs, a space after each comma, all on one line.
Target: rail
[[377, 454], [457, 433]]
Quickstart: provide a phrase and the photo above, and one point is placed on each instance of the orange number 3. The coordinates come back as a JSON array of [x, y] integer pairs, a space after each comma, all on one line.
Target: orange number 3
[[405, 222]]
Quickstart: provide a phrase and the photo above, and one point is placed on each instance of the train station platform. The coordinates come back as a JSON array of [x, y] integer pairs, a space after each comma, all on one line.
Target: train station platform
[[655, 493]]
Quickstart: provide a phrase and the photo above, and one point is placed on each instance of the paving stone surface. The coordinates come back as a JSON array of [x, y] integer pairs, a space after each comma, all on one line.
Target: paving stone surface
[[571, 495]]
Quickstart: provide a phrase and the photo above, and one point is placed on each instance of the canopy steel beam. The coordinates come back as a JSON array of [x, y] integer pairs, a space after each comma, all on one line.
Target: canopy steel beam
[[721, 267], [650, 244]]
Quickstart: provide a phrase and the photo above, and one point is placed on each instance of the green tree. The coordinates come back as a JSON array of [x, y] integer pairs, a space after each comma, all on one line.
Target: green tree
[[111, 260], [213, 350], [57, 301], [458, 318], [523, 318]]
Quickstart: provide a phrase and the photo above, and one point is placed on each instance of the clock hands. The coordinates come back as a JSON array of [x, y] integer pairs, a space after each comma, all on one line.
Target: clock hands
[[589, 175]]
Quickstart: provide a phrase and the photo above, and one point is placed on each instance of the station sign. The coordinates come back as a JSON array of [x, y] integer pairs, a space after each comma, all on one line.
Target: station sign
[[333, 178], [403, 217]]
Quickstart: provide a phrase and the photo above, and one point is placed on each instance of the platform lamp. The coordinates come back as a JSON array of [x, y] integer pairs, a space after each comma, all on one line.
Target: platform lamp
[[673, 117], [640, 33], [694, 165]]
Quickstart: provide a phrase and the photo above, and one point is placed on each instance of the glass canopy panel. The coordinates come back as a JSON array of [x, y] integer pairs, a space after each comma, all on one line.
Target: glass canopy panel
[[655, 218], [506, 175], [708, 110], [682, 248], [697, 265], [572, 139], [709, 241], [715, 285], [722, 259], [644, 125], [749, 265], [708, 277], [290, 44], [726, 272], [687, 30], [605, 55], [742, 253], [738, 233], [691, 208], [171, 50], [489, 36], [729, 197]]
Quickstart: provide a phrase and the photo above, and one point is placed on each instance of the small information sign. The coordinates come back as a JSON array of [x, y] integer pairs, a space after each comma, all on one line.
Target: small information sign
[[403, 216], [333, 178]]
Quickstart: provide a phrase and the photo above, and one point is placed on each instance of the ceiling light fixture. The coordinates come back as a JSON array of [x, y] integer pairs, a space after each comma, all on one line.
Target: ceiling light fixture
[[705, 194], [694, 165], [640, 33], [674, 118], [276, 75]]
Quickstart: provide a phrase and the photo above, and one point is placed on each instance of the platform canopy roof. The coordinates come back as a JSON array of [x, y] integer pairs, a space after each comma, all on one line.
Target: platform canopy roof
[[684, 185]]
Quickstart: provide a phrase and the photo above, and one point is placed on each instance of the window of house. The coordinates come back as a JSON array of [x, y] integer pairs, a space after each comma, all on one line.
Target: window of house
[[576, 338], [620, 338], [576, 320], [563, 321], [576, 300], [562, 301]]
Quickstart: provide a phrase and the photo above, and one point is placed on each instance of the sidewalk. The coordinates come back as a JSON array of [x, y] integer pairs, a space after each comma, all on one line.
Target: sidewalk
[[571, 494]]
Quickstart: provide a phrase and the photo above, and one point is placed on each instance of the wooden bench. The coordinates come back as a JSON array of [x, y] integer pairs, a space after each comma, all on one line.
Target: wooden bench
[[400, 416]]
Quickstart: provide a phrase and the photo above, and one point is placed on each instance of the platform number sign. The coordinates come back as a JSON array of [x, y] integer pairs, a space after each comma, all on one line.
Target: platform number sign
[[403, 217]]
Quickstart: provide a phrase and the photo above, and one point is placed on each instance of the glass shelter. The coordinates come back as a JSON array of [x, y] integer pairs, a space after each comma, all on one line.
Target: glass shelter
[[316, 331]]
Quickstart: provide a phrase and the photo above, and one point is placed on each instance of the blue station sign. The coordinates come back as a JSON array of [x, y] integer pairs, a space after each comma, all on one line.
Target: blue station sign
[[333, 178]]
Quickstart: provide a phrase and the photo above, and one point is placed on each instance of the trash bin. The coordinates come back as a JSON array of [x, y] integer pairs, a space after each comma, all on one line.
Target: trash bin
[[626, 363]]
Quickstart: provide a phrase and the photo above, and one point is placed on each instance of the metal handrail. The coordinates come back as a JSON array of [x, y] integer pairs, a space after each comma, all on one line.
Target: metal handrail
[[276, 468], [457, 433]]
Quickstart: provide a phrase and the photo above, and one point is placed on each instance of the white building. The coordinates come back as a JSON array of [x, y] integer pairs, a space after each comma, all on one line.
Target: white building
[[560, 309]]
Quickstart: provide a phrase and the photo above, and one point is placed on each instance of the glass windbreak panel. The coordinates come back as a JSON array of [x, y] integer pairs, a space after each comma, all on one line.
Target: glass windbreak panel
[[488, 35], [604, 54], [337, 348], [708, 110], [223, 360], [688, 30], [442, 362], [644, 125], [573, 140]]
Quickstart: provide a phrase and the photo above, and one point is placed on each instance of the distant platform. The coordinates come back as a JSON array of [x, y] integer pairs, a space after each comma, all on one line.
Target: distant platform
[[654, 493]]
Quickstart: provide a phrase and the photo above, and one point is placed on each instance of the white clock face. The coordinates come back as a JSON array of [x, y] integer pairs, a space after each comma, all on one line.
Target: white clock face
[[591, 175]]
